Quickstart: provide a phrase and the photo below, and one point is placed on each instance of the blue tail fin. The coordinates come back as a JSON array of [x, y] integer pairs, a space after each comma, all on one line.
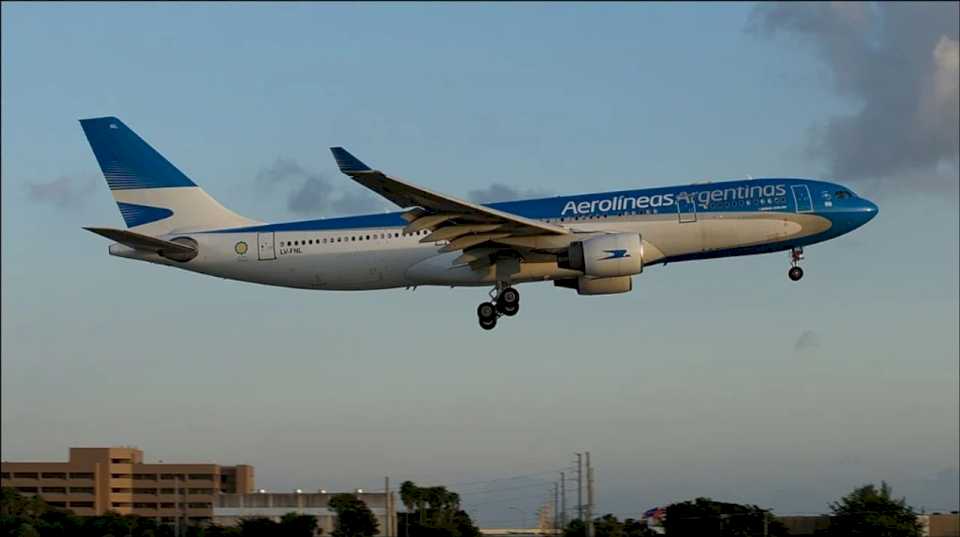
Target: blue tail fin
[[126, 160], [152, 194]]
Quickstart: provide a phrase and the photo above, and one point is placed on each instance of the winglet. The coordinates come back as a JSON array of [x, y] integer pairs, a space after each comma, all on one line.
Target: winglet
[[348, 163]]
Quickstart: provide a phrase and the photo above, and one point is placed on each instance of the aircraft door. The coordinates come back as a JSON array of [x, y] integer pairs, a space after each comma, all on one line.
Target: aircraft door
[[686, 208], [801, 196], [265, 246]]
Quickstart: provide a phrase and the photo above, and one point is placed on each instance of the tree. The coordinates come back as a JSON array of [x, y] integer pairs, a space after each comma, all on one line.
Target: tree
[[354, 518], [575, 528], [434, 512], [871, 512], [298, 525], [704, 517], [609, 526], [258, 527]]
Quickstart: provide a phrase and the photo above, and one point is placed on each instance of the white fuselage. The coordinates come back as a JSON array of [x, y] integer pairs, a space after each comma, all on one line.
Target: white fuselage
[[381, 258]]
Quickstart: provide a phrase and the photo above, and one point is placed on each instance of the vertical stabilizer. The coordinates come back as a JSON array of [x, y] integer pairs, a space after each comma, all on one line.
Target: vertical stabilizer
[[153, 196]]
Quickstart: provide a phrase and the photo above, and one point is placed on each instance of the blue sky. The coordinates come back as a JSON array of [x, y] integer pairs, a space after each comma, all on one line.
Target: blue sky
[[718, 378]]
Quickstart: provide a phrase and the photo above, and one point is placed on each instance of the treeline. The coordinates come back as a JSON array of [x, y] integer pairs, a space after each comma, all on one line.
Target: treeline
[[868, 511], [23, 516], [431, 512]]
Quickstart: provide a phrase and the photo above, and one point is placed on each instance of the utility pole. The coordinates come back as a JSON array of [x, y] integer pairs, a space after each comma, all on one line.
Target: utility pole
[[563, 500], [556, 508], [589, 497], [580, 486], [386, 506]]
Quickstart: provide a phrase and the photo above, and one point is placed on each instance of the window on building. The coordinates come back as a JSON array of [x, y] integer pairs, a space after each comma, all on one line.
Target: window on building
[[81, 475], [53, 475], [200, 505], [5, 475], [82, 505], [57, 504], [121, 490], [147, 477], [25, 475], [121, 461], [168, 491], [27, 490], [55, 490], [81, 490], [204, 477], [169, 476], [200, 491], [120, 476], [144, 491]]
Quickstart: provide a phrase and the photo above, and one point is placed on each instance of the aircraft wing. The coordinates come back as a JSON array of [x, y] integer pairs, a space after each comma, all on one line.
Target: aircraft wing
[[466, 225]]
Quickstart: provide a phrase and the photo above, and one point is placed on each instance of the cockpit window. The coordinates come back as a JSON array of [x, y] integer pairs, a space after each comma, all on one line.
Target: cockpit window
[[843, 194]]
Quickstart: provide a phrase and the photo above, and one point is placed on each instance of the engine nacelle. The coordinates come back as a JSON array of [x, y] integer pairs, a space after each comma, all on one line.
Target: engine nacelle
[[598, 286], [605, 256]]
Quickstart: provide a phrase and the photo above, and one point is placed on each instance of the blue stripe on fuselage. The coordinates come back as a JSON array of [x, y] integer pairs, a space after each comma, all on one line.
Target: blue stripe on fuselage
[[727, 196]]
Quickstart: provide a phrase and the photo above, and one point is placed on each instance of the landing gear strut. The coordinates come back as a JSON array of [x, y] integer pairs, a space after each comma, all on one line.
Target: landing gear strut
[[795, 272], [504, 300]]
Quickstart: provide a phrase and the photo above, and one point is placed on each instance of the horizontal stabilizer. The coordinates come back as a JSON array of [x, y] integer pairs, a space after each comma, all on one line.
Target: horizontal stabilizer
[[145, 243]]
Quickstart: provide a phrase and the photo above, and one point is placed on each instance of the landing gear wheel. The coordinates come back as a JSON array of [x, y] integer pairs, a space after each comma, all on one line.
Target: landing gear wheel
[[488, 324], [487, 311], [507, 308], [509, 296], [795, 273]]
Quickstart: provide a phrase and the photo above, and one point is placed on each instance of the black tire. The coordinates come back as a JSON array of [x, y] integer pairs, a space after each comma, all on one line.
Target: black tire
[[508, 309], [509, 296], [795, 273], [487, 311], [488, 324]]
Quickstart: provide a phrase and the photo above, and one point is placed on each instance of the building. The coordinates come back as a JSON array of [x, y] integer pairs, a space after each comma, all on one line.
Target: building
[[96, 480], [229, 509]]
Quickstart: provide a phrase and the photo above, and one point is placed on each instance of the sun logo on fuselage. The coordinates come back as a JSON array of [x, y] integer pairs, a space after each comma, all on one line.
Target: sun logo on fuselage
[[240, 248]]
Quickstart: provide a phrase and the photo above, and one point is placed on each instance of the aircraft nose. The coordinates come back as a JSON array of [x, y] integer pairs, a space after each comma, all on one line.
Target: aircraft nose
[[862, 212]]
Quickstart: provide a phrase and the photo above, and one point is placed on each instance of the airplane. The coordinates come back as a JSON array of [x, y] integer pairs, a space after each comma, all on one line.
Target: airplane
[[592, 243]]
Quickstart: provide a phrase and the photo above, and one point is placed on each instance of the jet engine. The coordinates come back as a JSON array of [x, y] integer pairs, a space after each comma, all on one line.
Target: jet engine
[[605, 256]]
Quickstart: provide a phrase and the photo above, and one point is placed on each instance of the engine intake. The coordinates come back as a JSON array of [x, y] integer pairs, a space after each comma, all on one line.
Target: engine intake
[[605, 256]]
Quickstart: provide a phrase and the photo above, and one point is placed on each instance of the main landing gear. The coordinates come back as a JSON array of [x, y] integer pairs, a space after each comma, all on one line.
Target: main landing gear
[[505, 300], [795, 272]]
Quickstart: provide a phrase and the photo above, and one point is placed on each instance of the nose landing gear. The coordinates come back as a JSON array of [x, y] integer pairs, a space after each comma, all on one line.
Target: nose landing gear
[[795, 272], [505, 300]]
